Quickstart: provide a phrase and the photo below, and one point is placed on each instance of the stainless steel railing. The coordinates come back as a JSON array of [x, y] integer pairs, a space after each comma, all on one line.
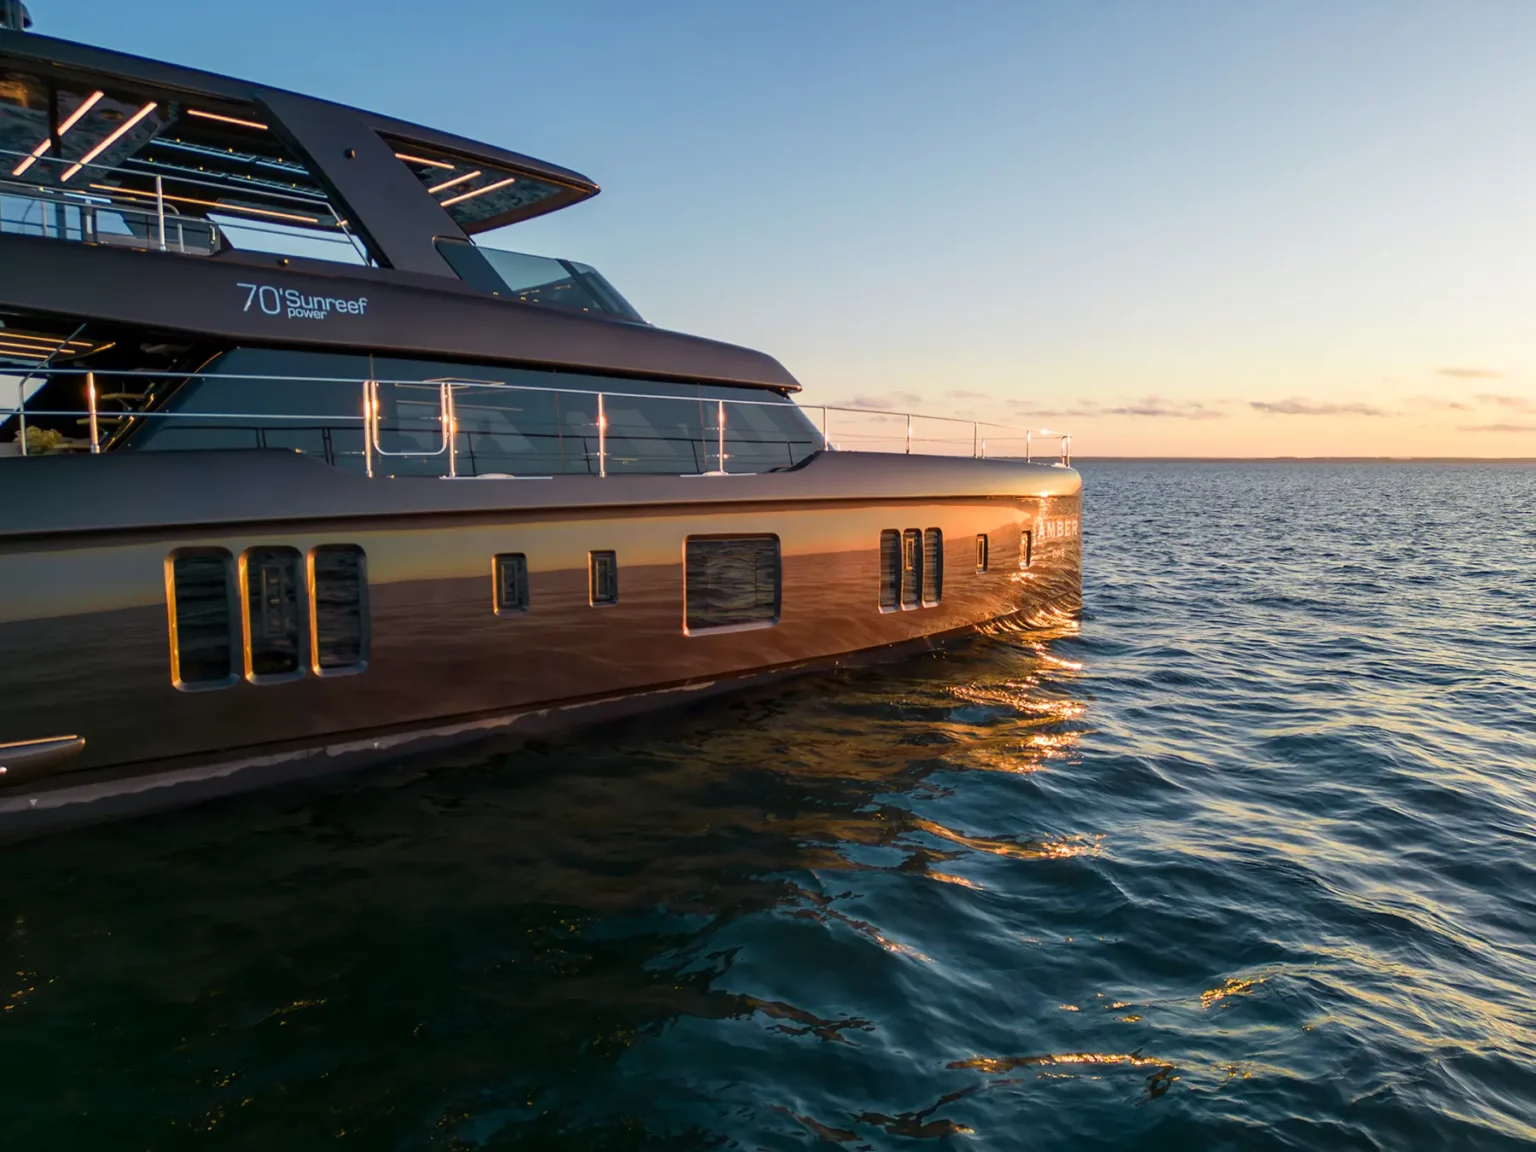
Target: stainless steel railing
[[840, 428]]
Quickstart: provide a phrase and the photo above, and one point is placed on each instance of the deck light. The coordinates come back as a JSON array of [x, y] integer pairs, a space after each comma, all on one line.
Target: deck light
[[210, 204], [436, 188], [74, 118], [122, 130], [423, 161], [227, 119], [479, 191]]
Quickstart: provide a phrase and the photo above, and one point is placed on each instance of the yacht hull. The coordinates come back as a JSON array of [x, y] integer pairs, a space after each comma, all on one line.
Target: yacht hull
[[85, 623]]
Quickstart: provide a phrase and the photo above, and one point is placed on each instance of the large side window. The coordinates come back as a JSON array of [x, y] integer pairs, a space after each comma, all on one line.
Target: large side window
[[200, 587], [274, 618], [731, 582], [338, 575], [890, 570], [933, 566]]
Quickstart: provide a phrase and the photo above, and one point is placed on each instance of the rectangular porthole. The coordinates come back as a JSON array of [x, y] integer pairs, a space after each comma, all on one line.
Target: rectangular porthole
[[603, 578], [730, 582], [911, 568], [338, 609], [982, 547], [1026, 549], [933, 566], [200, 593], [272, 579], [509, 573], [890, 570]]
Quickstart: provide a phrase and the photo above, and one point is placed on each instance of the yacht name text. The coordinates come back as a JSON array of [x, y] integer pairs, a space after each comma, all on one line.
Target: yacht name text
[[274, 301]]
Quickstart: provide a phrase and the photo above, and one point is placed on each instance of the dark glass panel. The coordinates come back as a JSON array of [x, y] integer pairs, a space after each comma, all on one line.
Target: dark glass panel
[[203, 609], [511, 579], [983, 546], [911, 567], [340, 576], [604, 586], [933, 566], [732, 581], [273, 612], [890, 569]]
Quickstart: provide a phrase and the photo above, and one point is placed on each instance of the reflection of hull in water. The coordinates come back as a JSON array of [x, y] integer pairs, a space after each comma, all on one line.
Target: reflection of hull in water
[[83, 603]]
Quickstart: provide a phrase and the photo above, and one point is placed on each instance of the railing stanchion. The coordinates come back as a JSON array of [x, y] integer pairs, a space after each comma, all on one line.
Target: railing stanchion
[[602, 438], [21, 412], [975, 439], [90, 398], [1027, 446], [983, 449], [370, 401], [909, 433], [160, 208], [450, 429], [720, 429], [826, 445]]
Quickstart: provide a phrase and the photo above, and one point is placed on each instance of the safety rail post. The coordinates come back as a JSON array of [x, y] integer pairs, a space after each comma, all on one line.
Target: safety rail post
[[720, 432], [975, 439], [450, 429], [1066, 450], [370, 415], [21, 412], [160, 208], [909, 433], [826, 444], [90, 399], [1028, 445], [602, 438]]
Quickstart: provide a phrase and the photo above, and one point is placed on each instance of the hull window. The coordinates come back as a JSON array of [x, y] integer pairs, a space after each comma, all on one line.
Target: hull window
[[890, 570], [338, 609], [731, 582], [911, 567], [603, 581], [933, 566], [200, 586], [982, 547], [510, 572], [1026, 549], [274, 633]]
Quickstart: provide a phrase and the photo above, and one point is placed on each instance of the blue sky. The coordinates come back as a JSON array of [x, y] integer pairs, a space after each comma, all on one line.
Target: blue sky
[[1175, 227]]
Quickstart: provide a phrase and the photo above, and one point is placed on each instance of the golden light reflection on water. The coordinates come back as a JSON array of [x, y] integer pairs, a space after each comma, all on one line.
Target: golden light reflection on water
[[1059, 849]]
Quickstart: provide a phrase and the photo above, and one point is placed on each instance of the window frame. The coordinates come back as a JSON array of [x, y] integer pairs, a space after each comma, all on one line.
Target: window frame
[[983, 553], [364, 609], [231, 608], [778, 584], [593, 558], [499, 604], [302, 629]]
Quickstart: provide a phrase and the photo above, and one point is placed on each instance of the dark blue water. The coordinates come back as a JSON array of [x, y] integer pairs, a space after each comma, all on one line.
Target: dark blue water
[[1247, 859]]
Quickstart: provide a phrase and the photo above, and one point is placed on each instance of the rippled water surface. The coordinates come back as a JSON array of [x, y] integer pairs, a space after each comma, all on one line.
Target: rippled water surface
[[1245, 859]]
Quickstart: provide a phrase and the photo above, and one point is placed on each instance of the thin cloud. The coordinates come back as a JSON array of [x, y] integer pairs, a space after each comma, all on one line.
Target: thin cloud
[[962, 394], [1149, 407], [1296, 406], [1497, 428], [1472, 373], [889, 401], [1518, 403], [1440, 403]]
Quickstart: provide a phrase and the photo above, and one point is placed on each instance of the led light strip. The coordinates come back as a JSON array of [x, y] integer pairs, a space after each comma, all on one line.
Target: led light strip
[[74, 118], [122, 130], [479, 191], [210, 204], [422, 160], [227, 119], [436, 188], [44, 341]]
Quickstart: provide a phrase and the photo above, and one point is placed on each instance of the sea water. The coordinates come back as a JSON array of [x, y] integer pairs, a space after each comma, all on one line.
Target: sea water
[[1245, 858]]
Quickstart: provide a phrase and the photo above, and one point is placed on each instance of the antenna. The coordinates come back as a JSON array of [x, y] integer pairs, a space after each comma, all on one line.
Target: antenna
[[14, 16]]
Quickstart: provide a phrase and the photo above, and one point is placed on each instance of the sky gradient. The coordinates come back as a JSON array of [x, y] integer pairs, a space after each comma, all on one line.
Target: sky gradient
[[1183, 228]]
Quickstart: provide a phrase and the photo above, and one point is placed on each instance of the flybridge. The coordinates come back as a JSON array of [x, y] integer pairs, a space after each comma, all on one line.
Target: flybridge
[[114, 149]]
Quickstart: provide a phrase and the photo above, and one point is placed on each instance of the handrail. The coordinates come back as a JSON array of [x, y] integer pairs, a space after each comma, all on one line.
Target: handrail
[[975, 445]]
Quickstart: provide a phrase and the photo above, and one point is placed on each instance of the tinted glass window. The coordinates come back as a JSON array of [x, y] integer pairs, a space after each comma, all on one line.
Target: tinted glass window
[[202, 618], [933, 566], [911, 567], [339, 579], [731, 582], [982, 547], [274, 623], [510, 573], [890, 569], [604, 579]]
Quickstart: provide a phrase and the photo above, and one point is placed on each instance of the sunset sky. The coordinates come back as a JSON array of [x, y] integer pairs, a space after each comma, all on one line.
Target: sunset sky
[[1173, 228]]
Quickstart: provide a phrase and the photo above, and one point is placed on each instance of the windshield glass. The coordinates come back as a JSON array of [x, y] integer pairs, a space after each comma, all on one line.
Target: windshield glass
[[558, 283]]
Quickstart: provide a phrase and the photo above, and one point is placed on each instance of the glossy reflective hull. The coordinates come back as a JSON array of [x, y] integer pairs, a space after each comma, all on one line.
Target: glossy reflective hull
[[84, 633]]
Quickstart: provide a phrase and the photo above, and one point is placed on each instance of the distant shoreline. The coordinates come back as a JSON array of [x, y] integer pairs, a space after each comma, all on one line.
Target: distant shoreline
[[1076, 458]]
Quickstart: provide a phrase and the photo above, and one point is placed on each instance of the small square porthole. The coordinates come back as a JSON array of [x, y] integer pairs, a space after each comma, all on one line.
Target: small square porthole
[[981, 552], [933, 566], [509, 572], [603, 578], [1026, 549], [911, 568]]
